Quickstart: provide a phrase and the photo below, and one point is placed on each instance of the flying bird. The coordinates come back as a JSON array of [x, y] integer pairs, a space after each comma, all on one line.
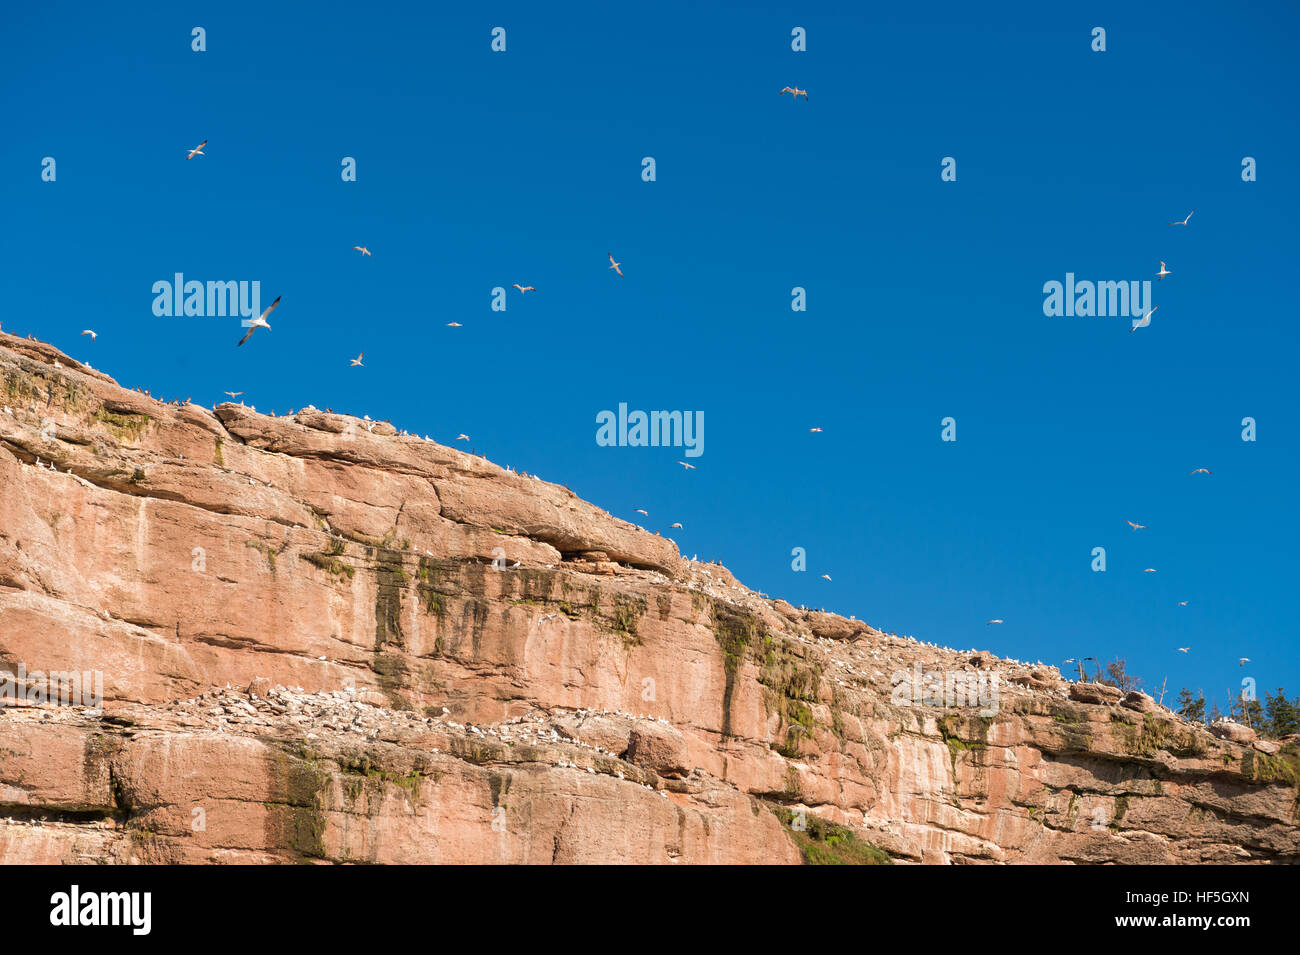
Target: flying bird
[[356, 362], [1184, 222], [814, 430], [1184, 649], [1149, 570], [197, 151], [524, 288], [671, 526], [646, 513], [462, 437], [92, 335], [1243, 661], [615, 265], [453, 325], [1163, 272], [233, 394], [689, 467], [1144, 321], [1200, 471], [363, 250], [795, 91], [1182, 603], [826, 576], [259, 322], [991, 622], [1136, 527]]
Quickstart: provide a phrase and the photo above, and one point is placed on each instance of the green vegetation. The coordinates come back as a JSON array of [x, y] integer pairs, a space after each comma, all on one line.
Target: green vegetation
[[125, 426], [265, 550], [1191, 708], [330, 564], [790, 683], [429, 575], [825, 843], [1275, 717], [956, 736], [390, 583], [1283, 768], [296, 803], [1121, 807], [1155, 734], [800, 726], [361, 766], [627, 611]]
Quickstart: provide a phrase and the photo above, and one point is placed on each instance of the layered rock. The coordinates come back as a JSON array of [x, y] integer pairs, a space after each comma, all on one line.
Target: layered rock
[[322, 639]]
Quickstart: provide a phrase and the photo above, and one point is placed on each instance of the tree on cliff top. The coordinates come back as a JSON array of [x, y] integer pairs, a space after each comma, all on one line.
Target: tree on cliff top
[[1118, 677]]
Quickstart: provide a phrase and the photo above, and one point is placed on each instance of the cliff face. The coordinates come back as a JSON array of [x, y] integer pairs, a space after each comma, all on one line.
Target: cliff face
[[307, 652]]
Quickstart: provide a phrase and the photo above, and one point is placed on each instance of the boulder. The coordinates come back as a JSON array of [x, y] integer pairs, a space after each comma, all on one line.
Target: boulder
[[1235, 732], [1137, 700], [1099, 693]]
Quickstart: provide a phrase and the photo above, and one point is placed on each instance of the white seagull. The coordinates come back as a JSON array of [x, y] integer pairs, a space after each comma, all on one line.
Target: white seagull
[[259, 322], [1163, 272], [615, 265], [92, 335], [197, 151], [356, 362], [1144, 321], [1184, 222]]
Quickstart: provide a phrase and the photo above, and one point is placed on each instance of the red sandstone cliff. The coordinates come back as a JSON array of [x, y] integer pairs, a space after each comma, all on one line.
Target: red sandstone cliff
[[307, 654]]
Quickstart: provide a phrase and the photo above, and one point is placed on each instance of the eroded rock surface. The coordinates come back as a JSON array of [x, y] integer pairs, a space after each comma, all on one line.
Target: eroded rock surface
[[312, 648]]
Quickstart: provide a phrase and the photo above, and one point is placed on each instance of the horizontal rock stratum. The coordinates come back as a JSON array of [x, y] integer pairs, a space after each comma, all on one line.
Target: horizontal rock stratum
[[307, 653]]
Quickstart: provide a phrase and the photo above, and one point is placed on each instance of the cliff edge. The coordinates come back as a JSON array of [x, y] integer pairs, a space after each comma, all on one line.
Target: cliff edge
[[321, 639]]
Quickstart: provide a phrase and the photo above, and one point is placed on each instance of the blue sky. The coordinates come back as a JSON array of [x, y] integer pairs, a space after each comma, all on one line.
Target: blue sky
[[478, 169]]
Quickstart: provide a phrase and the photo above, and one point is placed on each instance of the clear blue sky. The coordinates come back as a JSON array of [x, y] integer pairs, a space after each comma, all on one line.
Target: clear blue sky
[[479, 169]]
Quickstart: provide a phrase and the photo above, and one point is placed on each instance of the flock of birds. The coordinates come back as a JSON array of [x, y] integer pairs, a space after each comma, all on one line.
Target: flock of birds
[[615, 266], [1143, 322], [261, 322]]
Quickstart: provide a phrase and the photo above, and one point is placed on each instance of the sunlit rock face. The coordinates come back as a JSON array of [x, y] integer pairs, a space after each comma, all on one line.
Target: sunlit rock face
[[314, 637]]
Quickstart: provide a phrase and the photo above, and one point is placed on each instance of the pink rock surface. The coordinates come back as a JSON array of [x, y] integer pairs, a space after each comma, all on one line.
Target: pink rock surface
[[308, 653]]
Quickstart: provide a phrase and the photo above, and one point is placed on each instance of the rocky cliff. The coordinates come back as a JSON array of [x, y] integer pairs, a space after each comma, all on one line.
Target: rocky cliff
[[320, 639]]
